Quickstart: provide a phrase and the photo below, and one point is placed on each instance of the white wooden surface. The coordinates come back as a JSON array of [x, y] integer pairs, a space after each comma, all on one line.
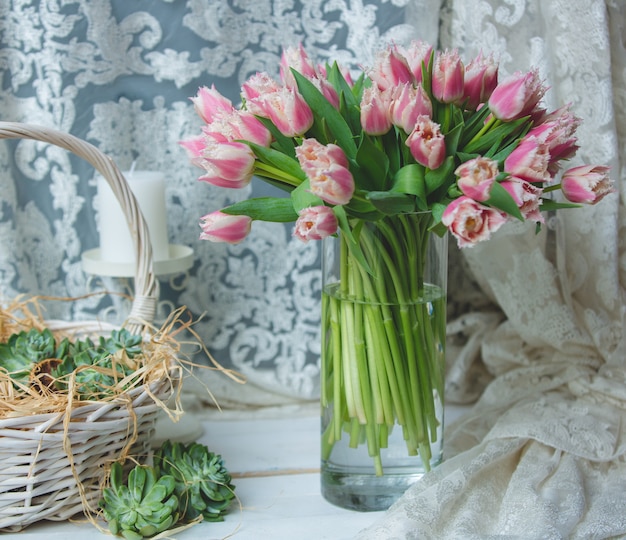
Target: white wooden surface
[[274, 460]]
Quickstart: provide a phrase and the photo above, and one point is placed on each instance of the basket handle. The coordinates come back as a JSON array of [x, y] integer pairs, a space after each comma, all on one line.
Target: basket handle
[[146, 285]]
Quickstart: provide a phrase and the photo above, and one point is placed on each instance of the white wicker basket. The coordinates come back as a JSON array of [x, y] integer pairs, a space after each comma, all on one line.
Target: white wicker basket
[[52, 464]]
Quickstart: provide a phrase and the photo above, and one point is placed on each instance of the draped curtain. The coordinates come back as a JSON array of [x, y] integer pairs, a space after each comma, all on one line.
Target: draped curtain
[[537, 322], [542, 454]]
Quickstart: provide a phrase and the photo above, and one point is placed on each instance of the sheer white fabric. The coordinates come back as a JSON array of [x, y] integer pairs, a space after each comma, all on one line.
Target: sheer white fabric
[[542, 454]]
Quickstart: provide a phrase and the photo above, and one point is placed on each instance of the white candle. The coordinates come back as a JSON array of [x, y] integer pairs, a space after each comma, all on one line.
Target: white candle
[[115, 240]]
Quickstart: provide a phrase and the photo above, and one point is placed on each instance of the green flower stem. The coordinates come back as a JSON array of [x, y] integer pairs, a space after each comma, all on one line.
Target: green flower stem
[[413, 425], [338, 375], [383, 346], [554, 187], [492, 123], [264, 169]]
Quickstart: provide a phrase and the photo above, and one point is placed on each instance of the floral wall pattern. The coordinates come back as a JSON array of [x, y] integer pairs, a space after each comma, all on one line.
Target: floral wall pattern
[[119, 75]]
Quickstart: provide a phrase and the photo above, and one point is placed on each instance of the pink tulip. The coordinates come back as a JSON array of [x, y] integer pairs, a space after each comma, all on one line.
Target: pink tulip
[[517, 96], [298, 59], [245, 126], [586, 184], [327, 170], [345, 72], [312, 154], [287, 110], [334, 185], [407, 104], [315, 223], [221, 227], [195, 149], [448, 77], [471, 222], [375, 119], [529, 161], [426, 143], [558, 131], [476, 176], [209, 104], [240, 125], [416, 54], [228, 164], [526, 196], [257, 86], [481, 78], [327, 90], [390, 69]]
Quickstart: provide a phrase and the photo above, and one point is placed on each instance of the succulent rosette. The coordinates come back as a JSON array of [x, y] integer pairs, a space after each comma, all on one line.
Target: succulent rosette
[[140, 507], [202, 482]]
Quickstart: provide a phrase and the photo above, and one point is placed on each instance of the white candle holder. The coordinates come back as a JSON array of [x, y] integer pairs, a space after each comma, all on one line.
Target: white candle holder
[[116, 256]]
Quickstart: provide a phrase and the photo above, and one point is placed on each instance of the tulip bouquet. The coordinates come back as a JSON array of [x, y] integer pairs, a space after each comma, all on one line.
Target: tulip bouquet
[[419, 144]]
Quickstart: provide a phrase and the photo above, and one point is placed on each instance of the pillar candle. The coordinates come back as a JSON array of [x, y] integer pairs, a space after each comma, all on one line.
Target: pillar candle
[[115, 240]]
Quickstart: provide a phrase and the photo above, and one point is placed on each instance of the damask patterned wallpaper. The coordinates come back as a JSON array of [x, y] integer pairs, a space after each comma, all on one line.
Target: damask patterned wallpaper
[[119, 74]]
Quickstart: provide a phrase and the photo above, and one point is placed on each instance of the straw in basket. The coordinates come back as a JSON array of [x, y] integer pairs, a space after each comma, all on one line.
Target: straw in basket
[[52, 463]]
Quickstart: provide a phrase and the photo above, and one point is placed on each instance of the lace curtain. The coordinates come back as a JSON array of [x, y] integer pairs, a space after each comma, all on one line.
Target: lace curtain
[[542, 454], [119, 74]]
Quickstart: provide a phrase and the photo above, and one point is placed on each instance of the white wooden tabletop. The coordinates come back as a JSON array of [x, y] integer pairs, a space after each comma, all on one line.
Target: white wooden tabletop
[[274, 461]]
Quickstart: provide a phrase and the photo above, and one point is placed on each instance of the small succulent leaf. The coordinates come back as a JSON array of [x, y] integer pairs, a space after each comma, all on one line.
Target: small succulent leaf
[[115, 477], [128, 519], [113, 525], [148, 530], [131, 535], [136, 481]]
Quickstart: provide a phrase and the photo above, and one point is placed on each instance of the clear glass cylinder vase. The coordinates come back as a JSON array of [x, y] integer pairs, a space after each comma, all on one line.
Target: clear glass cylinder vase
[[383, 359]]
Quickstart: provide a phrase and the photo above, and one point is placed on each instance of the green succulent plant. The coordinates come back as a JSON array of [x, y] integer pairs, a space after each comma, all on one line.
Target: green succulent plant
[[144, 506], [203, 485], [122, 339], [24, 349]]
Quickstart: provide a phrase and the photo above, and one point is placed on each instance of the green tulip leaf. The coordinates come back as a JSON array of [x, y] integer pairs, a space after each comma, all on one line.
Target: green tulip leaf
[[301, 197], [274, 209], [410, 179], [495, 136], [283, 164], [390, 203], [549, 205], [281, 142], [439, 180], [501, 199], [325, 114], [373, 165]]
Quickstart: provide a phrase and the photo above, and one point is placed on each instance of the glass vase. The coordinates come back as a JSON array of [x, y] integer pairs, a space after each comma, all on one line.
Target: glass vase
[[383, 359]]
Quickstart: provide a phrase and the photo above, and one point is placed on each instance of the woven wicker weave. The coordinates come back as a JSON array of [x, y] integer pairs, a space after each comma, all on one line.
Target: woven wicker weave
[[52, 464]]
